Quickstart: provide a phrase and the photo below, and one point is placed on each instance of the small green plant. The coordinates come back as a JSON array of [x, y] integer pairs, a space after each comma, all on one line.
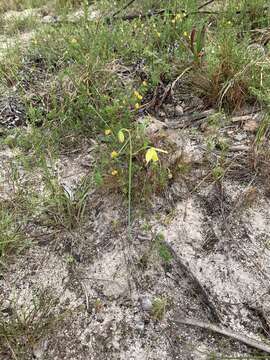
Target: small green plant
[[11, 235], [197, 44], [164, 253], [24, 327], [159, 308], [70, 260], [163, 250], [151, 157], [218, 172], [20, 24], [63, 206], [262, 131]]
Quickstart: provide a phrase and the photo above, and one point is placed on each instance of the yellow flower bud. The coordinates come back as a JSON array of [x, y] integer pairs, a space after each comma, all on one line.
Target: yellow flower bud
[[114, 154], [108, 132], [121, 136]]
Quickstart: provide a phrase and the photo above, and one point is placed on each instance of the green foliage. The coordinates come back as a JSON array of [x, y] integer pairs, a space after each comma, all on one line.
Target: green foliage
[[163, 250], [11, 236], [159, 308], [63, 206], [23, 327]]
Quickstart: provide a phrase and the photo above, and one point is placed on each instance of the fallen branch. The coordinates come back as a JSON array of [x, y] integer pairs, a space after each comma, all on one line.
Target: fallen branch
[[187, 120], [143, 16], [180, 76], [149, 14], [185, 269], [224, 331], [157, 101], [205, 4], [123, 8], [162, 11], [158, 12]]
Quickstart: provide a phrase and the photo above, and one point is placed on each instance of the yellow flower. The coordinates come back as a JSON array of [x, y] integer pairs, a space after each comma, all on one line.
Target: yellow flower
[[138, 95], [185, 34], [151, 154], [108, 132], [114, 173], [114, 154], [137, 106], [144, 83], [73, 41], [178, 17], [158, 34]]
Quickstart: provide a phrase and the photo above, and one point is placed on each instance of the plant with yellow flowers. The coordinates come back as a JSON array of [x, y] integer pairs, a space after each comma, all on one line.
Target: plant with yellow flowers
[[124, 137]]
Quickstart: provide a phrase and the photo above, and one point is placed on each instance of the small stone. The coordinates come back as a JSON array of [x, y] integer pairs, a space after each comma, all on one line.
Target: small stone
[[40, 349], [256, 49], [50, 19], [152, 124], [169, 109], [161, 114], [115, 344], [179, 110], [251, 126], [139, 325], [100, 317], [146, 303], [240, 136], [204, 126]]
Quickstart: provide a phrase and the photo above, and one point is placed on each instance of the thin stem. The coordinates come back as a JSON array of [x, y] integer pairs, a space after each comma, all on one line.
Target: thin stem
[[100, 117], [129, 185], [129, 178], [122, 148]]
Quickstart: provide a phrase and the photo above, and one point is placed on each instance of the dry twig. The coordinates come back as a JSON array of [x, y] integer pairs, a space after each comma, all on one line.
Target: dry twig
[[225, 331]]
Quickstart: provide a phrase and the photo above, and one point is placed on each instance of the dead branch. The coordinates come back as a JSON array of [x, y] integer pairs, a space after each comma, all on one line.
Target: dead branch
[[188, 119], [226, 332], [185, 269], [205, 4], [123, 8]]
